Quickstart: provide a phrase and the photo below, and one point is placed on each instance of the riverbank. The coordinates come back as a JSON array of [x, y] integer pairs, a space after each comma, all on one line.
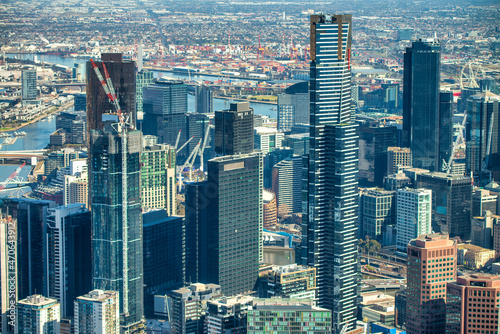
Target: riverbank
[[230, 98], [34, 120]]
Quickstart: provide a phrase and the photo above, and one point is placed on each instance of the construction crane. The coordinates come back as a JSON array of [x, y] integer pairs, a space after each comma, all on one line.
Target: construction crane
[[12, 177], [187, 163], [107, 85], [207, 131], [446, 167], [488, 144], [177, 140], [184, 145]]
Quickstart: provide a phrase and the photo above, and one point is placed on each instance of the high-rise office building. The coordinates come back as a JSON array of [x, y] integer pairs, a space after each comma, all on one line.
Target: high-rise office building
[[115, 197], [204, 99], [28, 85], [37, 314], [432, 262], [287, 185], [445, 127], [164, 259], [234, 130], [8, 277], [374, 142], [329, 225], [68, 264], [451, 202], [80, 102], [158, 188], [377, 210], [188, 307], [293, 106], [122, 74], [31, 217], [269, 316], [472, 304], [414, 212], [421, 115], [270, 208], [224, 224], [270, 160], [481, 134], [97, 312], [142, 79]]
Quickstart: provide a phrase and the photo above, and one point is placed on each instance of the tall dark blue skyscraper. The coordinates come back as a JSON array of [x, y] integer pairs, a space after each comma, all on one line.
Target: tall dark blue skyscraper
[[421, 117], [115, 194], [329, 231]]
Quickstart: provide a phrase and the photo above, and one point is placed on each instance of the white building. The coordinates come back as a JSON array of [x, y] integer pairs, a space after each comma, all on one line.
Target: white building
[[414, 212], [97, 312], [38, 315], [267, 139]]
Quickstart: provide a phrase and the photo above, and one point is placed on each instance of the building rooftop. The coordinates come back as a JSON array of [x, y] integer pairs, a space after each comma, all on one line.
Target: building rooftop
[[37, 300], [98, 295], [285, 304], [290, 268]]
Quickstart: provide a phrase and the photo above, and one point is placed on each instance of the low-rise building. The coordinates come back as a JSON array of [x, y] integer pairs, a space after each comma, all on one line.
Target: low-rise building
[[290, 281], [474, 257], [228, 315]]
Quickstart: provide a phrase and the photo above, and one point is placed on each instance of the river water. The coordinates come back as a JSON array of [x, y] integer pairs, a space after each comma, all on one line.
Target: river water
[[219, 104]]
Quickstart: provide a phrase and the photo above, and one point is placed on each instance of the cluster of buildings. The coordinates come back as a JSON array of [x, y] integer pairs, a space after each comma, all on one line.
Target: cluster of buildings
[[103, 245]]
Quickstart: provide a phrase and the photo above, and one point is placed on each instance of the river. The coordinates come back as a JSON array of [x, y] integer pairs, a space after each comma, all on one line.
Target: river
[[219, 104]]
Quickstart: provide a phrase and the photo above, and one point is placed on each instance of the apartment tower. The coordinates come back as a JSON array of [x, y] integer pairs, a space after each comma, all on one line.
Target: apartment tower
[[330, 218]]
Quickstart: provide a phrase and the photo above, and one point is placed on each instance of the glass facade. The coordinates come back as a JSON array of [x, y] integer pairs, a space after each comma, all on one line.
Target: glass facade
[[115, 192], [421, 117], [330, 188], [234, 130]]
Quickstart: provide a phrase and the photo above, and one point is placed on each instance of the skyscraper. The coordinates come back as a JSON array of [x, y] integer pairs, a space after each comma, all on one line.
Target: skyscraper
[[224, 224], [68, 265], [414, 211], [481, 135], [234, 129], [143, 79], [31, 216], [204, 99], [329, 238], [287, 184], [158, 178], [421, 117], [293, 106], [451, 201], [122, 74], [432, 262], [115, 196], [28, 85]]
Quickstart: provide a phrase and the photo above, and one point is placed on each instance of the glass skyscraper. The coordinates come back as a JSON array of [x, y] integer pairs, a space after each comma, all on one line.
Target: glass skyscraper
[[330, 190], [421, 118], [115, 193]]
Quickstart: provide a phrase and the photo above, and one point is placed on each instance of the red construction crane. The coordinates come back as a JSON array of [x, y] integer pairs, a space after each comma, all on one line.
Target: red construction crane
[[12, 176]]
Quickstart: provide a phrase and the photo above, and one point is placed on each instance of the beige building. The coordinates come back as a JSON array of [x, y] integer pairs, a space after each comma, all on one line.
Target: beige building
[[97, 312], [474, 257], [397, 156]]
